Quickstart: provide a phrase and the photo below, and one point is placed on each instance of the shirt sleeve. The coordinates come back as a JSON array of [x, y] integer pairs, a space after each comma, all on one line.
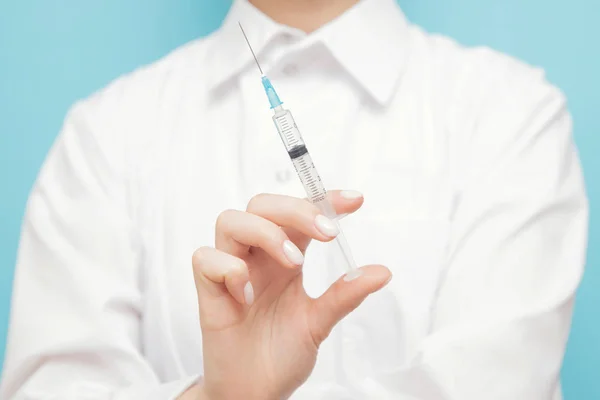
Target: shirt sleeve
[[516, 255], [77, 301]]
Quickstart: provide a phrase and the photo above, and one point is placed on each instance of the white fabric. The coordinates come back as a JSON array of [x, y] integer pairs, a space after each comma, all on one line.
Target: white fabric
[[473, 198]]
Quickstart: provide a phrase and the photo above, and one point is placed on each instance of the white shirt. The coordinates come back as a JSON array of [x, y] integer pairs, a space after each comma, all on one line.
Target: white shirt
[[473, 198]]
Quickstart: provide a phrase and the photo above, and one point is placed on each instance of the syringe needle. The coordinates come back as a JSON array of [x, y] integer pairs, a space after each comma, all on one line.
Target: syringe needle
[[254, 55]]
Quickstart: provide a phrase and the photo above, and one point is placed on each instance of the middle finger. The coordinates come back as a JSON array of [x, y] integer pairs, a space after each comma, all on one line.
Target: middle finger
[[302, 220], [237, 232]]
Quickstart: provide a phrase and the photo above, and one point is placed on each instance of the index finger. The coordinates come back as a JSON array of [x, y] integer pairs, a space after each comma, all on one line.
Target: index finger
[[344, 202]]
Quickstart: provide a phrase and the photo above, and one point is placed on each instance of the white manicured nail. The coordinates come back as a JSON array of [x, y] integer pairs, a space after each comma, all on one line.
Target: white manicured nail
[[326, 226], [249, 293], [351, 194], [293, 253]]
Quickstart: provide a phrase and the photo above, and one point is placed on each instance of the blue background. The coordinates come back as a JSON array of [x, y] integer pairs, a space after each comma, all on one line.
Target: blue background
[[54, 52]]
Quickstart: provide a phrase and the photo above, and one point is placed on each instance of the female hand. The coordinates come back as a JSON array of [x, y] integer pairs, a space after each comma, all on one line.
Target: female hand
[[260, 330]]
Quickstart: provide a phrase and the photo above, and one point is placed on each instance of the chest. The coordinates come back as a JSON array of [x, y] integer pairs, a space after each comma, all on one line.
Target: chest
[[215, 163]]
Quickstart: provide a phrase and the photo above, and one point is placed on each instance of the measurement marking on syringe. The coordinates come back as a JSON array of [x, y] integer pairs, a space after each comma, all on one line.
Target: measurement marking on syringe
[[288, 132], [283, 122], [289, 136]]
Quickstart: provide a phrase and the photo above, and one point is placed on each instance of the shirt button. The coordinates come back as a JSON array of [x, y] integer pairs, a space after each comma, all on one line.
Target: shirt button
[[288, 37], [283, 176], [290, 69]]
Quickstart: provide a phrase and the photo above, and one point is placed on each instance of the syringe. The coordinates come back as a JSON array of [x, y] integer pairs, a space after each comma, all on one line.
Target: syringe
[[294, 145]]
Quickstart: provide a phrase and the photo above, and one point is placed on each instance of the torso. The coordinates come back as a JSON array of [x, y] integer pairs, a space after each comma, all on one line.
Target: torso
[[209, 163]]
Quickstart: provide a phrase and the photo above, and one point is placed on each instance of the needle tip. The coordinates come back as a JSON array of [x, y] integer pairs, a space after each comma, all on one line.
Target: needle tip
[[251, 50]]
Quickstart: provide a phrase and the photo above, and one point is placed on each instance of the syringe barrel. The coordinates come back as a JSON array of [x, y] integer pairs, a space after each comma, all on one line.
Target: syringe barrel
[[315, 190], [294, 145], [288, 131]]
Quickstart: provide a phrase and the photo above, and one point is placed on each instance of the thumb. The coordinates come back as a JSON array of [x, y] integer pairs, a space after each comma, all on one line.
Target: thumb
[[342, 298]]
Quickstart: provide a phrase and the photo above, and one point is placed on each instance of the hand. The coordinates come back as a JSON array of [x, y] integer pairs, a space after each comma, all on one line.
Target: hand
[[260, 330]]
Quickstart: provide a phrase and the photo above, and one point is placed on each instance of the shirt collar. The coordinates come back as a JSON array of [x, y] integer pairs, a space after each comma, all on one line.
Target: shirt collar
[[370, 40]]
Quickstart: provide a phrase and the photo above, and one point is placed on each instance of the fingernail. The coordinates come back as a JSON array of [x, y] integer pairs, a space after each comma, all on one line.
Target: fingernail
[[293, 253], [351, 194], [388, 280], [326, 226], [249, 293]]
